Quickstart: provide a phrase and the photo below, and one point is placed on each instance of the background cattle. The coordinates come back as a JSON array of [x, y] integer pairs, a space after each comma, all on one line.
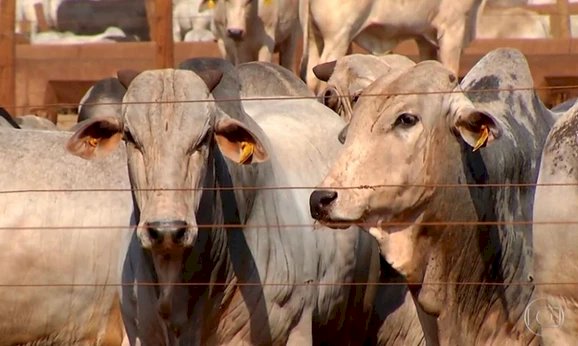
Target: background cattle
[[104, 98], [295, 313], [555, 236], [349, 75], [60, 247], [431, 138], [254, 30], [441, 29], [24, 121], [191, 24], [90, 17]]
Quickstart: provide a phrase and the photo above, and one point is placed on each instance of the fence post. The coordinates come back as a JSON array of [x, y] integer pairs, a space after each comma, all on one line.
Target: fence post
[[7, 54], [160, 19], [561, 23]]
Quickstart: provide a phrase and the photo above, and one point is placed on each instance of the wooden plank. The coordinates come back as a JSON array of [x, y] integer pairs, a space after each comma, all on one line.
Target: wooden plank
[[7, 54], [160, 16]]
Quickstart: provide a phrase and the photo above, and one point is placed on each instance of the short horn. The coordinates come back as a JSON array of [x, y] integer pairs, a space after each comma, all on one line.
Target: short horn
[[126, 76], [324, 71], [211, 77]]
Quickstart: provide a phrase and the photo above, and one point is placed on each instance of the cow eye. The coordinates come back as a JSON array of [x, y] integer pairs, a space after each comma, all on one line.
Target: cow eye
[[406, 120]]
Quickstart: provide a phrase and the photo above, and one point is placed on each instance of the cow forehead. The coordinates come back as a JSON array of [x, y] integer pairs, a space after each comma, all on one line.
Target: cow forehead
[[418, 88], [163, 100]]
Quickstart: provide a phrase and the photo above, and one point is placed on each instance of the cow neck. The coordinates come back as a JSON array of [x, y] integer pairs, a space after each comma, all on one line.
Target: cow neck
[[477, 254]]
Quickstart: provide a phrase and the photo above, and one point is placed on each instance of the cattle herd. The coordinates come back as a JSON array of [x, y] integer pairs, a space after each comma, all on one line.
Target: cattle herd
[[366, 200]]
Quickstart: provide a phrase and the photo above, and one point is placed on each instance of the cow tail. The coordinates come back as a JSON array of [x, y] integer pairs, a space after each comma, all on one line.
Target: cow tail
[[304, 14]]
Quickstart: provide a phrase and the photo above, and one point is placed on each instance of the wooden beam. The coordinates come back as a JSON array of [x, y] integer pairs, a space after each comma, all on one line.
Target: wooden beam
[[160, 18], [7, 54], [562, 21]]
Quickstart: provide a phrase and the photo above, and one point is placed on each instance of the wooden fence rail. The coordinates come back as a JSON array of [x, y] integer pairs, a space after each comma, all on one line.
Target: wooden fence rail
[[47, 75]]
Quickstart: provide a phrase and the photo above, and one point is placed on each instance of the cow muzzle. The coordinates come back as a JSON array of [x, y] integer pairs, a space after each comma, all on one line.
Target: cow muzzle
[[167, 233], [320, 202], [236, 34]]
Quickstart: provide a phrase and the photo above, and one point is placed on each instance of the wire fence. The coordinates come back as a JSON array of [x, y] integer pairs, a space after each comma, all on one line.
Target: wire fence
[[296, 98]]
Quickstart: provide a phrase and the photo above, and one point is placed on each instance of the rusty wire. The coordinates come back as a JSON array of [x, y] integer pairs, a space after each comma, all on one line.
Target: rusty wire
[[291, 98], [260, 284]]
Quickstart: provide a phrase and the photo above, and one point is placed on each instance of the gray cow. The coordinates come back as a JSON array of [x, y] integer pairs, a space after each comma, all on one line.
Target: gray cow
[[24, 121], [252, 279], [59, 255], [400, 148], [555, 236]]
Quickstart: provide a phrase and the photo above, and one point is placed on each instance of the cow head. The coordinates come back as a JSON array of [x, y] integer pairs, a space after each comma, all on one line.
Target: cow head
[[397, 147], [348, 76], [170, 148], [237, 13]]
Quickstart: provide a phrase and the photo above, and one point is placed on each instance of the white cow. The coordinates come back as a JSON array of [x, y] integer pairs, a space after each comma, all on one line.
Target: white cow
[[59, 262], [556, 234], [510, 22], [191, 23], [441, 29], [25, 11], [254, 30]]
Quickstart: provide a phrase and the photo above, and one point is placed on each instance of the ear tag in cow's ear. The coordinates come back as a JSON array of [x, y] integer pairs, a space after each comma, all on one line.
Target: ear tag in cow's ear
[[268, 2], [211, 4], [484, 135], [93, 142], [246, 152]]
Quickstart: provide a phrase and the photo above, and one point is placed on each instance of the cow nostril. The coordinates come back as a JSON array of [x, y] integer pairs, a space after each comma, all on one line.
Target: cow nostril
[[319, 201], [154, 234], [179, 235], [235, 34]]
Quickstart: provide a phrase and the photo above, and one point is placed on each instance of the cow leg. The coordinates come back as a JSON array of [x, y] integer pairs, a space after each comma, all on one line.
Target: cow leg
[[427, 51], [302, 334], [287, 52], [266, 51], [450, 40]]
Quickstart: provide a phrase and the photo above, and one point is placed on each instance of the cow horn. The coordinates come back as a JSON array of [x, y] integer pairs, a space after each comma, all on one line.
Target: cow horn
[[126, 76], [211, 77], [324, 71]]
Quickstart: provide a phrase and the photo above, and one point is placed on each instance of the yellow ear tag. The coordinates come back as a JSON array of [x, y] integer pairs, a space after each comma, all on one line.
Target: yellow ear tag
[[267, 2], [93, 142], [246, 152], [211, 4], [483, 138]]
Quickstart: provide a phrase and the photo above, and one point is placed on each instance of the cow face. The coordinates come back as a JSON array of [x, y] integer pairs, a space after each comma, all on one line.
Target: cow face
[[237, 12], [168, 149], [397, 146]]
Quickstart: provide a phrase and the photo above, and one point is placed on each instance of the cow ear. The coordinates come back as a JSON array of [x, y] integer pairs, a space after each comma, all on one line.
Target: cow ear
[[206, 5], [238, 143], [126, 76], [95, 137], [477, 128], [330, 98]]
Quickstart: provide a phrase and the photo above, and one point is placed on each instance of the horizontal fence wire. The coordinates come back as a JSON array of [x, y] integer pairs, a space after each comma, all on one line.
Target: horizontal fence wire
[[262, 284], [241, 188], [290, 98], [315, 225], [334, 224]]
